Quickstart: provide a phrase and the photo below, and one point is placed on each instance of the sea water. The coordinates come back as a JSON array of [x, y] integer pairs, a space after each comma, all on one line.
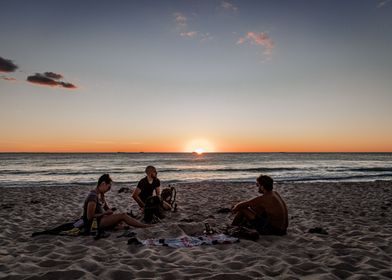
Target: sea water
[[61, 169]]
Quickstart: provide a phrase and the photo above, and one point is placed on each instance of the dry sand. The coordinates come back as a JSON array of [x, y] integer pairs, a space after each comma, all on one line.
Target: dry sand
[[357, 216]]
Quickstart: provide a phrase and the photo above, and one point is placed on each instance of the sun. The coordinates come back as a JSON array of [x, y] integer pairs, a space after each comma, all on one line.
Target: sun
[[199, 146], [199, 151]]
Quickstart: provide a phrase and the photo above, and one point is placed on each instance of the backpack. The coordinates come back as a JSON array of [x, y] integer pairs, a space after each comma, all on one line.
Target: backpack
[[152, 209], [169, 195]]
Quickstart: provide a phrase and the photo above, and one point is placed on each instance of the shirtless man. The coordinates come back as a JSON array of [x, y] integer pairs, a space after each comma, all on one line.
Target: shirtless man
[[266, 213]]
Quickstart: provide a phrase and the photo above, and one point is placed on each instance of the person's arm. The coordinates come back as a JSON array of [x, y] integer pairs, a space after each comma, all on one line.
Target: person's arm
[[246, 204], [91, 211], [158, 191], [136, 197], [158, 187], [286, 222], [105, 205], [239, 206]]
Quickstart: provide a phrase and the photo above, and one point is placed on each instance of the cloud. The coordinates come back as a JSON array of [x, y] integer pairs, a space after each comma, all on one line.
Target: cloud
[[182, 27], [7, 65], [181, 20], [189, 34], [228, 6], [53, 75], [49, 79], [260, 39], [383, 3], [67, 85], [202, 36], [206, 37]]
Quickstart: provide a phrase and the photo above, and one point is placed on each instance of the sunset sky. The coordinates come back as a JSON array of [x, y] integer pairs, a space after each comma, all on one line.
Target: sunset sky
[[176, 76]]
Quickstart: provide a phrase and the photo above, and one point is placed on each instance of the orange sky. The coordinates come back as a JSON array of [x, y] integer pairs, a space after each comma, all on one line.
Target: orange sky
[[217, 145]]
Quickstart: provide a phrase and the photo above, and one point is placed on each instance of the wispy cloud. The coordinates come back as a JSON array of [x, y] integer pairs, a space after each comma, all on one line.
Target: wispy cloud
[[189, 34], [182, 25], [202, 36], [228, 6], [383, 3], [49, 79], [181, 20], [260, 39], [206, 37], [7, 66]]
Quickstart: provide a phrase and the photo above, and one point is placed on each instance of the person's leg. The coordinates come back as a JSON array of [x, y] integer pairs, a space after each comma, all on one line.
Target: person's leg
[[261, 223], [112, 220], [244, 215], [133, 222]]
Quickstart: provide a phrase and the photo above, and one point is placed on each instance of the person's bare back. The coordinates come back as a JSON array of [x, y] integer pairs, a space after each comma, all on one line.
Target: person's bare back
[[267, 213], [273, 205]]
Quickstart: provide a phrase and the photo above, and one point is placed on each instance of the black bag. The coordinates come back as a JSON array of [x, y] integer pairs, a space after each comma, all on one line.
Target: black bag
[[152, 209]]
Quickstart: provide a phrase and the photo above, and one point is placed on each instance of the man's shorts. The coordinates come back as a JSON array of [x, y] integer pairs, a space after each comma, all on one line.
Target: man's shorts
[[262, 225]]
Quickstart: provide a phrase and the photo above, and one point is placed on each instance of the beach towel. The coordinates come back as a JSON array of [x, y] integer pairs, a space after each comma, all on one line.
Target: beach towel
[[74, 228], [186, 241]]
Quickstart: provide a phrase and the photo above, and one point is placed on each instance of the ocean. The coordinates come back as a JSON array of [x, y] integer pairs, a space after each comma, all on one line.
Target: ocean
[[126, 169]]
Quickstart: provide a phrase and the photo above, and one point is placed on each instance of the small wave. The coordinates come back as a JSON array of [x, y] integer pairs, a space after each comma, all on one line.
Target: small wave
[[335, 178], [257, 169], [64, 172], [254, 169], [14, 172], [372, 169]]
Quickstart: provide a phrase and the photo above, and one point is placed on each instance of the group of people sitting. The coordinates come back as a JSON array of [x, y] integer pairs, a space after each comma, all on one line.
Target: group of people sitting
[[266, 213]]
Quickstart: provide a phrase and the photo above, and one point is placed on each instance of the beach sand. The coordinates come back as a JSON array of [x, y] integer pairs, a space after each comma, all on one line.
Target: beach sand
[[357, 217]]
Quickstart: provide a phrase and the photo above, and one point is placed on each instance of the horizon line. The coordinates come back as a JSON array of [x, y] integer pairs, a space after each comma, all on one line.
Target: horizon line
[[293, 152]]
